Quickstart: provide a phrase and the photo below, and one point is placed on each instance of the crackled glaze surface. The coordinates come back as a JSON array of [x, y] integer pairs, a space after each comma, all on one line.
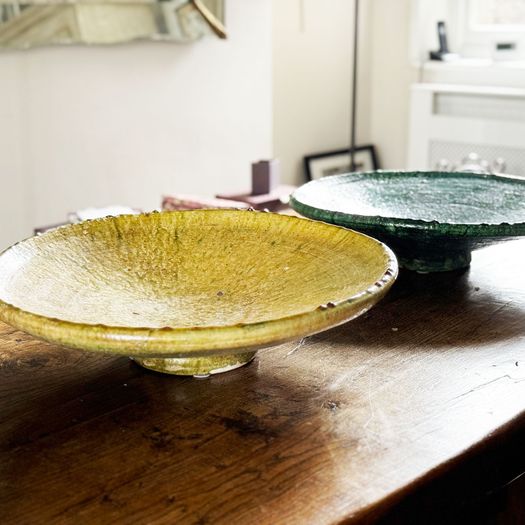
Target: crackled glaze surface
[[169, 284], [432, 220]]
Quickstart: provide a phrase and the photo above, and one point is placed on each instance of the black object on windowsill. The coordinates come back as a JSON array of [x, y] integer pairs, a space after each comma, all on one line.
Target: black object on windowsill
[[443, 52]]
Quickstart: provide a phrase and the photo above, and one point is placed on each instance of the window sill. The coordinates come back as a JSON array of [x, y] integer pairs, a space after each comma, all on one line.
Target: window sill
[[473, 71]]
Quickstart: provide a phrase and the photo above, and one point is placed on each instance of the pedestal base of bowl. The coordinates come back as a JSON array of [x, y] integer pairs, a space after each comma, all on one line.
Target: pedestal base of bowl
[[196, 366], [430, 263]]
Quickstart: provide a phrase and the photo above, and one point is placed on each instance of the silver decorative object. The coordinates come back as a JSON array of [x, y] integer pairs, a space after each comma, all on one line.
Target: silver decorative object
[[473, 163]]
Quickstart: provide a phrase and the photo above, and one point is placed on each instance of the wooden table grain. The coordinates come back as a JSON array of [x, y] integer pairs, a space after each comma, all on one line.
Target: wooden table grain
[[415, 410]]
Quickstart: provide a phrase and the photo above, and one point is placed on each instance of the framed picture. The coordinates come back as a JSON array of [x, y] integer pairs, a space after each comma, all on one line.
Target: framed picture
[[337, 162]]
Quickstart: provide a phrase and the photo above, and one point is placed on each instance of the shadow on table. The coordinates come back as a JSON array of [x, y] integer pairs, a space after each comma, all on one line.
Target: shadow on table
[[448, 310], [117, 436]]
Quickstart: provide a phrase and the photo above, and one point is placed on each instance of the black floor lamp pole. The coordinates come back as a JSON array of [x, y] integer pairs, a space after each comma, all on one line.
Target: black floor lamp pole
[[354, 88]]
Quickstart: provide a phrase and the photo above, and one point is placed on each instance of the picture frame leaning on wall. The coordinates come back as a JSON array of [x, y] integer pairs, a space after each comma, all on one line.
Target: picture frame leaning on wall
[[336, 162]]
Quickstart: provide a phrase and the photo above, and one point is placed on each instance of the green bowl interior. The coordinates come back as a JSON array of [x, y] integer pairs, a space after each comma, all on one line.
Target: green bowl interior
[[418, 198]]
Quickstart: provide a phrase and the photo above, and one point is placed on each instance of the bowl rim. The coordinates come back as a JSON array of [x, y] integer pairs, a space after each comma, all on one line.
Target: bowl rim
[[439, 228], [160, 342]]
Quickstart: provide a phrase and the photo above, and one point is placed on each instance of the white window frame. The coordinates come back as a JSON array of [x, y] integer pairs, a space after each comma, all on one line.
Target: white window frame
[[479, 41]]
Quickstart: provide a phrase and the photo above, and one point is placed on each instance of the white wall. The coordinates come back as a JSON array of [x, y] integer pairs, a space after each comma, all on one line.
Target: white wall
[[312, 79], [312, 54], [84, 126], [391, 76], [93, 126]]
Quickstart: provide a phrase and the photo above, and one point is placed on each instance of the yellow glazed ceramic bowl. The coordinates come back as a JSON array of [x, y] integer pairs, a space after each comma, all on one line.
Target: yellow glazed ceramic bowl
[[191, 292]]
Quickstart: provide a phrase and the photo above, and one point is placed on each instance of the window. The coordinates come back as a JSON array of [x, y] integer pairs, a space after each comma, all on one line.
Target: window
[[492, 28], [477, 29], [492, 14]]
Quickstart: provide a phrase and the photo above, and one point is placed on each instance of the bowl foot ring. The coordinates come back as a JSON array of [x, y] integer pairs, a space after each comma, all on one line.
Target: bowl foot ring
[[198, 367], [432, 263]]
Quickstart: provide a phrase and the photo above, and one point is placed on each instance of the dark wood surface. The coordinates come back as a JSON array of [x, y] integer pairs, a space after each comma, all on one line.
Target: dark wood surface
[[415, 409]]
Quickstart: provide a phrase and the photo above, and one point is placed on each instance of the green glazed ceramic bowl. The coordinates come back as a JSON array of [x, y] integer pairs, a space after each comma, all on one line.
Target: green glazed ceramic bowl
[[432, 220], [191, 292]]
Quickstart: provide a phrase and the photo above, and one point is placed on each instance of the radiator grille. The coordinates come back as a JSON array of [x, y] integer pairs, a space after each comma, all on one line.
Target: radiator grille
[[455, 152]]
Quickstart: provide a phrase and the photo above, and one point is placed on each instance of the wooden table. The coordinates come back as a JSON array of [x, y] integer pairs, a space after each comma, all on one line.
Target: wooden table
[[414, 413]]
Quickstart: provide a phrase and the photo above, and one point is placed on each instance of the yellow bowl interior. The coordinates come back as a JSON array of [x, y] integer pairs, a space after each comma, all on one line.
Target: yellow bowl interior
[[183, 271]]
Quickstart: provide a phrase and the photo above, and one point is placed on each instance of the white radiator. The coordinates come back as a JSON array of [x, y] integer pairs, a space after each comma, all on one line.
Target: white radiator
[[450, 122]]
